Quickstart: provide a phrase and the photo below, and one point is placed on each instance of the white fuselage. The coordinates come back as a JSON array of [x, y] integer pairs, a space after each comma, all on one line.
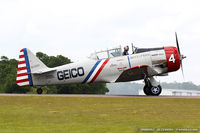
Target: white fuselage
[[105, 70]]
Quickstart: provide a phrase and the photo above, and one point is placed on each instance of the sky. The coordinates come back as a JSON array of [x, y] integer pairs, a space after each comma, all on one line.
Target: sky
[[76, 28]]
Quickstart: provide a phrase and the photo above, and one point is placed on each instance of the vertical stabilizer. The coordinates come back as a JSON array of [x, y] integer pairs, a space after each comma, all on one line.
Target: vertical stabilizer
[[27, 64]]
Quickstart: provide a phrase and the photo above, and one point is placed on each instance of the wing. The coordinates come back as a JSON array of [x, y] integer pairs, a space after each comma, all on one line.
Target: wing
[[136, 73]]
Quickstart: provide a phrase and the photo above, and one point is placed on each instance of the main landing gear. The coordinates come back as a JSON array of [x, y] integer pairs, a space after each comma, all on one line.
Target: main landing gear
[[152, 87], [39, 91]]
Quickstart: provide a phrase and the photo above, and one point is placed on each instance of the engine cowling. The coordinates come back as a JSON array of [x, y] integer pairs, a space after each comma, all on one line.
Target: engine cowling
[[173, 58]]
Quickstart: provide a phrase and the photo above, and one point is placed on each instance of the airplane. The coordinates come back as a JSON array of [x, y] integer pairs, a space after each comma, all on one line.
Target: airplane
[[107, 66]]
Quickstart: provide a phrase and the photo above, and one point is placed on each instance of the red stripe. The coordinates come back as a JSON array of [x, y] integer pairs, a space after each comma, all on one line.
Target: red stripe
[[21, 50], [99, 71], [22, 74], [21, 62], [21, 56], [143, 66], [21, 68], [121, 68], [22, 80], [26, 85]]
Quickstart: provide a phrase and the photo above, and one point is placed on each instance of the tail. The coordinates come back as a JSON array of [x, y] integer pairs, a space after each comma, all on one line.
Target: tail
[[28, 63]]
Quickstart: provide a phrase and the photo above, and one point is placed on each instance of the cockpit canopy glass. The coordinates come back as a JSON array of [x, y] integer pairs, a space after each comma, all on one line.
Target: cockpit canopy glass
[[115, 52], [109, 53]]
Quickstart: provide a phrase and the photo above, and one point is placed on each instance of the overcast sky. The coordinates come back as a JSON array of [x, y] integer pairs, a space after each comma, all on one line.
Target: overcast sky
[[75, 28]]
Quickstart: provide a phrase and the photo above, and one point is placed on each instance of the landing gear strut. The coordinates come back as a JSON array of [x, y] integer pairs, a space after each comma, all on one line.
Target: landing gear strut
[[152, 87], [39, 91]]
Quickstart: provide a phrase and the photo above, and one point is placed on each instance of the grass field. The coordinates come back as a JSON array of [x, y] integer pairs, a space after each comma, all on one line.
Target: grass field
[[35, 114]]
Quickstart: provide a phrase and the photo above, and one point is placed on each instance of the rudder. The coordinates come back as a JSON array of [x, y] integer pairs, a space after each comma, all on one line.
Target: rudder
[[23, 71]]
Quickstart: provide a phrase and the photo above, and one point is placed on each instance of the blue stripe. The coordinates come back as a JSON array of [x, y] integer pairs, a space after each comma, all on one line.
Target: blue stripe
[[28, 67], [90, 73], [129, 62]]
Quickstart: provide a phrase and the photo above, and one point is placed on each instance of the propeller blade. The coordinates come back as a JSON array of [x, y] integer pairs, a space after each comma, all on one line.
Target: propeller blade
[[182, 70], [181, 56], [177, 44]]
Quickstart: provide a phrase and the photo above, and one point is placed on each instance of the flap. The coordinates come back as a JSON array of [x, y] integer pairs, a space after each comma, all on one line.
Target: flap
[[136, 73]]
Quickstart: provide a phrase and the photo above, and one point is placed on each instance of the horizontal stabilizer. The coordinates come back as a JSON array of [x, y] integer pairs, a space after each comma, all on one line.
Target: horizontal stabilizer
[[42, 71]]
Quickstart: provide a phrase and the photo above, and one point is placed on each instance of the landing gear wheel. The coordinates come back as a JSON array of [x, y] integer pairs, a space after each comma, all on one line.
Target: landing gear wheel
[[146, 90], [152, 87], [156, 90], [39, 91], [152, 90]]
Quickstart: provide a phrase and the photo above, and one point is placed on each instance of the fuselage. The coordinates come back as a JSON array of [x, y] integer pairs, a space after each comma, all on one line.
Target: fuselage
[[163, 60]]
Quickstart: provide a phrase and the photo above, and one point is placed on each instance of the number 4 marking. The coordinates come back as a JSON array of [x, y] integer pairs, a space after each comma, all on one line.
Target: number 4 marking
[[172, 59]]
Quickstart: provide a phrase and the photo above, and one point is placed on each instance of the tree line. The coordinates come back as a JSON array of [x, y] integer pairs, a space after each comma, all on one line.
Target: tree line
[[8, 72]]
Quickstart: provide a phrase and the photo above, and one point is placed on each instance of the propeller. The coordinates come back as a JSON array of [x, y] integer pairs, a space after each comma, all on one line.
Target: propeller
[[181, 56]]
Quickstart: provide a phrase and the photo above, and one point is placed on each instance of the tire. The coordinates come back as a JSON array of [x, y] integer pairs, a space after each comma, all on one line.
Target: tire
[[146, 90], [155, 90], [39, 91]]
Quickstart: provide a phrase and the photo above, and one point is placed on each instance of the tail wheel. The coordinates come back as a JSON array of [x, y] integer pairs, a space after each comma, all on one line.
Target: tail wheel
[[39, 91]]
